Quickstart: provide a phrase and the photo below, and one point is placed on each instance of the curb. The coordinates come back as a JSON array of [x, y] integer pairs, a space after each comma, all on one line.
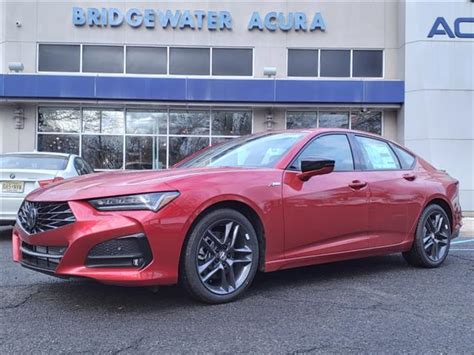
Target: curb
[[468, 226]]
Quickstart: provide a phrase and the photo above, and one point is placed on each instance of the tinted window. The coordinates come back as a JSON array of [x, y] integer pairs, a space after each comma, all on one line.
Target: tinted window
[[102, 59], [334, 147], [367, 64], [82, 167], [260, 151], [301, 120], [59, 58], [377, 154], [334, 119], [189, 122], [406, 159], [32, 161], [58, 143], [103, 152], [231, 61], [59, 120], [367, 121], [146, 122], [146, 60], [335, 63], [231, 123], [302, 62], [190, 61], [103, 121]]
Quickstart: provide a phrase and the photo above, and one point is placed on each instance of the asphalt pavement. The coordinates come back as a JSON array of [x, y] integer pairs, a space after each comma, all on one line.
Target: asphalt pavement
[[374, 305]]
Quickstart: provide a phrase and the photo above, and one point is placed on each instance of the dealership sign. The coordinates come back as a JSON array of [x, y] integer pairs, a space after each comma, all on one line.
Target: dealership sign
[[458, 30], [195, 20]]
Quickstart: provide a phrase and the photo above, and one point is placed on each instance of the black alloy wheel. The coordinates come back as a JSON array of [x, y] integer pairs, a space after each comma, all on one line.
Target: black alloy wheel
[[221, 257], [432, 240]]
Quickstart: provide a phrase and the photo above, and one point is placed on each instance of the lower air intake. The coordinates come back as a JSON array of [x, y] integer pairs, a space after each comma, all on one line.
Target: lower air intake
[[130, 251]]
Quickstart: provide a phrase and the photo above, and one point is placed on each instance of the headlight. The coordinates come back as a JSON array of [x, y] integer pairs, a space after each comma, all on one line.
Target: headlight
[[152, 201]]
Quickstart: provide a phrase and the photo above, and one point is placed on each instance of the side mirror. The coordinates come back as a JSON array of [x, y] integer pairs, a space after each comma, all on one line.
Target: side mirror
[[310, 168]]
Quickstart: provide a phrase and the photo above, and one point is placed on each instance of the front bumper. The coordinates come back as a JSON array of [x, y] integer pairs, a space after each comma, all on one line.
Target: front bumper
[[164, 231]]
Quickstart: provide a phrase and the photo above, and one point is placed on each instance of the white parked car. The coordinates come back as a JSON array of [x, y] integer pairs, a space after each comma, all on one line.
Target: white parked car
[[21, 173]]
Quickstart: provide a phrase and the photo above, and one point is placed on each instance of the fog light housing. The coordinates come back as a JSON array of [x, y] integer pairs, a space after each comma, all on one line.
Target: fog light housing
[[129, 251]]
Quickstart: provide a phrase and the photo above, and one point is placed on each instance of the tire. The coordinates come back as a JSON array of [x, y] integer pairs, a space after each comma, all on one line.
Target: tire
[[220, 257], [432, 239]]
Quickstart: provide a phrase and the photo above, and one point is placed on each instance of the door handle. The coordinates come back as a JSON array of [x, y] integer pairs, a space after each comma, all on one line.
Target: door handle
[[409, 177], [357, 185]]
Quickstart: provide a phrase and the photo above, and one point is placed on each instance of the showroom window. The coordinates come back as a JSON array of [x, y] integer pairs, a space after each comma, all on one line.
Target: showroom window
[[302, 62], [362, 120], [132, 138], [335, 63], [59, 58]]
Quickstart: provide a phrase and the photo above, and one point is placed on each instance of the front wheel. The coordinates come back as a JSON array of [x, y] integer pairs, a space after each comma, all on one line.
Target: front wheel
[[220, 257], [432, 240]]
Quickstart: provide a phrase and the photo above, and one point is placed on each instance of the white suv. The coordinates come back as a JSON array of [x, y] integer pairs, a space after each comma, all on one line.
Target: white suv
[[21, 173]]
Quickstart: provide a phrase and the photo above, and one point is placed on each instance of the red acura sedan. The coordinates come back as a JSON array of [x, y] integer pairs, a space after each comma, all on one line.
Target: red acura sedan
[[264, 202]]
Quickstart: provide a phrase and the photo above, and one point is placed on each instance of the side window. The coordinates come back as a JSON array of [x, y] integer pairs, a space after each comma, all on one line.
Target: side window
[[82, 167], [335, 147], [406, 159], [87, 167], [377, 154]]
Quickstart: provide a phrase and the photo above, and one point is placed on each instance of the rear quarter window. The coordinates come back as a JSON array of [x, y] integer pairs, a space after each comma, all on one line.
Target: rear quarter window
[[406, 159]]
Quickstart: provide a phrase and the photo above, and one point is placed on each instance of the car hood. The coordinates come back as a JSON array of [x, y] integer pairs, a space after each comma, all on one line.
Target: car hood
[[119, 183]]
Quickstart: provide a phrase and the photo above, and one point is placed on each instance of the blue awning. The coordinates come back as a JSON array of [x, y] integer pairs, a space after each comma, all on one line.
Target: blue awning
[[205, 90]]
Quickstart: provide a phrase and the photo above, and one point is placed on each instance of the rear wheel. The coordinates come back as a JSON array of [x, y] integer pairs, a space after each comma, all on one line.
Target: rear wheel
[[432, 240], [220, 257]]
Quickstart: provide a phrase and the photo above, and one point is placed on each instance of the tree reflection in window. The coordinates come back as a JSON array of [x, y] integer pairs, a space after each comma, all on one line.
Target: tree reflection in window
[[181, 147], [103, 152], [367, 121]]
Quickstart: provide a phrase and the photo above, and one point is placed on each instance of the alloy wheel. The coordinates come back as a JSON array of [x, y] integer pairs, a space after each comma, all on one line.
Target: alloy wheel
[[436, 236], [224, 258]]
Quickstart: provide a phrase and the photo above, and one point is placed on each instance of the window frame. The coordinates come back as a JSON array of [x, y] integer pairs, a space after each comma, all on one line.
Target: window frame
[[415, 158], [355, 162]]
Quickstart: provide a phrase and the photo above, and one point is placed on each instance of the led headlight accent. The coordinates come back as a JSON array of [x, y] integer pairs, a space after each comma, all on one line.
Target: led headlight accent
[[152, 201]]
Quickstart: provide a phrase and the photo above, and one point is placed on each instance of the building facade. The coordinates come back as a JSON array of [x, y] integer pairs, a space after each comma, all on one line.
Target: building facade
[[141, 85]]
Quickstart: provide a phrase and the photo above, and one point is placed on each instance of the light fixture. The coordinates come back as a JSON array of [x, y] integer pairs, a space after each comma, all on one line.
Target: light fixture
[[16, 66], [269, 71], [19, 118], [269, 122]]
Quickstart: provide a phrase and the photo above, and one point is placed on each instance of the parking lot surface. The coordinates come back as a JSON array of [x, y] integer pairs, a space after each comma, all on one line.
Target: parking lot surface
[[370, 305]]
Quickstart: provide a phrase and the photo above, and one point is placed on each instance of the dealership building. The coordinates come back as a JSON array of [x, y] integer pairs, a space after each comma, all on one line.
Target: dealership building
[[141, 85]]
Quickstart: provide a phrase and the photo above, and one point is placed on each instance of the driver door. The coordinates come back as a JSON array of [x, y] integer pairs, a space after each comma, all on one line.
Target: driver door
[[328, 213]]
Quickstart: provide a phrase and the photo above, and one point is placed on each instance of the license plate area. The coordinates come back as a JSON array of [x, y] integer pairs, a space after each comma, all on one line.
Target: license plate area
[[13, 186]]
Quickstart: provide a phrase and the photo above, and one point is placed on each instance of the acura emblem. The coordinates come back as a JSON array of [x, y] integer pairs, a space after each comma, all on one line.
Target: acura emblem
[[12, 176], [31, 217]]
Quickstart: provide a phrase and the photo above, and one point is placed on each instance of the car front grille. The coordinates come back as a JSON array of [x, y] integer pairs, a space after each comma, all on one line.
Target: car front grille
[[44, 258], [37, 217]]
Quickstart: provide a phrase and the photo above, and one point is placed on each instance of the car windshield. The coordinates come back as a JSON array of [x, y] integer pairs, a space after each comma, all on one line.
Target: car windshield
[[262, 151], [32, 161]]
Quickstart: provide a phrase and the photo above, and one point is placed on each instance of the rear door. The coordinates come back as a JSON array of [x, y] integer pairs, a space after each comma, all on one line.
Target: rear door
[[395, 192], [328, 213]]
